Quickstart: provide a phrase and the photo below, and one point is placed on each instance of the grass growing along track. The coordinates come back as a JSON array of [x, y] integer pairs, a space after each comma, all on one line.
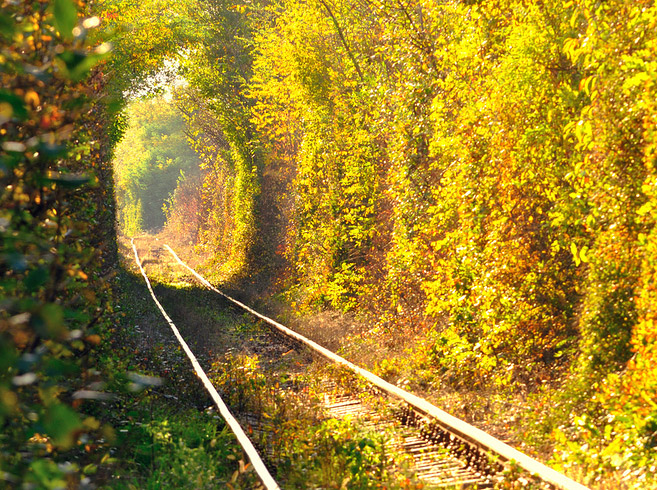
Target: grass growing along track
[[165, 437], [250, 369], [367, 464]]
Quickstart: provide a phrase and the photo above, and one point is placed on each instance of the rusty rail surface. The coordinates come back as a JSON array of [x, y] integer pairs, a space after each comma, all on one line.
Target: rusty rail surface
[[449, 423], [258, 465]]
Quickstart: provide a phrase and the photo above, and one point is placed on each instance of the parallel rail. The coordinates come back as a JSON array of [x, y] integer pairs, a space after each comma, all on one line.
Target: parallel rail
[[466, 432], [258, 465]]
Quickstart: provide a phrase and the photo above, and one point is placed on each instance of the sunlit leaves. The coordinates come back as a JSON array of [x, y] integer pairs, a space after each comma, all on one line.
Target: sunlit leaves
[[143, 35], [511, 144]]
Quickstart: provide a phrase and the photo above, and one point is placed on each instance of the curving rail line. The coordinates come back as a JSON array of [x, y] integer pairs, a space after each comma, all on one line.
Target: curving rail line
[[452, 425], [258, 465]]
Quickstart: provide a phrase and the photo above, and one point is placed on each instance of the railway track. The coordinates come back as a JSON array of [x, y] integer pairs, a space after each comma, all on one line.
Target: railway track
[[444, 451]]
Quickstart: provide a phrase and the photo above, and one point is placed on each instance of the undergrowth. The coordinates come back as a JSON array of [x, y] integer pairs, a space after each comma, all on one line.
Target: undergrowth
[[178, 448], [310, 450], [165, 436]]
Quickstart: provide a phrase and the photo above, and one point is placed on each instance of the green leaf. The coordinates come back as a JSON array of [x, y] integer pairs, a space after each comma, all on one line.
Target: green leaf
[[66, 16], [8, 356], [52, 151], [48, 321], [17, 104], [78, 63], [36, 278], [46, 473], [68, 181], [7, 27], [60, 423], [59, 367]]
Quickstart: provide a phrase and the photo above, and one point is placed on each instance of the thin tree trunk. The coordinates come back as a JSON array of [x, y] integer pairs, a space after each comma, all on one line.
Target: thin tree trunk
[[344, 41]]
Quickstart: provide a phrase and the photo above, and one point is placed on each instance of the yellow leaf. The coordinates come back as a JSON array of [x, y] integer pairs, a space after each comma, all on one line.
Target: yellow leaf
[[31, 97]]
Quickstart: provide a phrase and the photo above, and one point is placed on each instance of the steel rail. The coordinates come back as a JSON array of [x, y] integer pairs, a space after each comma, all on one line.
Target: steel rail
[[258, 465], [450, 423]]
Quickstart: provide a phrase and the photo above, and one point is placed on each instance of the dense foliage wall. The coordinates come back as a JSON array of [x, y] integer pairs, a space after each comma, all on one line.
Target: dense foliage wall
[[218, 69], [57, 243], [481, 171]]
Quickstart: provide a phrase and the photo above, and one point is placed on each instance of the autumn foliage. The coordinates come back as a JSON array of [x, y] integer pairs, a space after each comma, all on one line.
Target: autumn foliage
[[479, 174]]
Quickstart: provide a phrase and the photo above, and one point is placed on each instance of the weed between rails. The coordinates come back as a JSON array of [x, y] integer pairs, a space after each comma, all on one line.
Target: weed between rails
[[308, 449], [274, 389]]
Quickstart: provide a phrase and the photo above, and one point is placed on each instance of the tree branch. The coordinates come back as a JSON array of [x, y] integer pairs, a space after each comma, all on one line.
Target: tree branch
[[344, 41]]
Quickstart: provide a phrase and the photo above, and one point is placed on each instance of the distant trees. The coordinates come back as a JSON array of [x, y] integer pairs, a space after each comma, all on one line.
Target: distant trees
[[151, 161]]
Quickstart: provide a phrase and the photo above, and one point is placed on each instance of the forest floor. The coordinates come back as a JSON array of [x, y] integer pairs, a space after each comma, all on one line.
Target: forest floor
[[232, 345], [510, 417], [248, 367]]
